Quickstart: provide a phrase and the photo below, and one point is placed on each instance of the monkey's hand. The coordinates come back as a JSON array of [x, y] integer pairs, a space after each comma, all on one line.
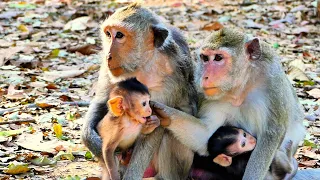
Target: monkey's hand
[[162, 112], [151, 123]]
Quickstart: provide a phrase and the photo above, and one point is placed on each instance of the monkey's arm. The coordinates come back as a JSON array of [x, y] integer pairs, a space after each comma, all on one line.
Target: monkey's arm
[[143, 152], [191, 131], [109, 160]]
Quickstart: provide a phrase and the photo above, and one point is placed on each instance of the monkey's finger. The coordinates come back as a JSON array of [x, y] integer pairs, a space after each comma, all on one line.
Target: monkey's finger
[[157, 105], [158, 110], [164, 122], [153, 120]]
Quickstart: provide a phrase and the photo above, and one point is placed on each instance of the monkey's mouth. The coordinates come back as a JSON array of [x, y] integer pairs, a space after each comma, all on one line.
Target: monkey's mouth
[[115, 68], [211, 91], [209, 88]]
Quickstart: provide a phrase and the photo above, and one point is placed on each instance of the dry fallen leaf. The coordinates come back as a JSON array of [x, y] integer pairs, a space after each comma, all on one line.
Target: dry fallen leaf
[[57, 128], [310, 163], [36, 143], [77, 24], [7, 53], [17, 169], [212, 26], [53, 75], [311, 155], [314, 93], [297, 74], [44, 105], [85, 49]]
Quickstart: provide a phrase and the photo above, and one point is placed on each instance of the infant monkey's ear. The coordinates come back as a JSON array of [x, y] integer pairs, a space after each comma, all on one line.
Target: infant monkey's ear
[[223, 160], [116, 106]]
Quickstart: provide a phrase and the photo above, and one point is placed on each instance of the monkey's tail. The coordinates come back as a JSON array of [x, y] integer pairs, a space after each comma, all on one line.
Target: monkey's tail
[[90, 136], [93, 141], [307, 174]]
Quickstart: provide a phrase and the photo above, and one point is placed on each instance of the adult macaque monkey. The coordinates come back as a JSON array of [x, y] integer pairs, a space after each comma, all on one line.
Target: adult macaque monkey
[[243, 85], [136, 43]]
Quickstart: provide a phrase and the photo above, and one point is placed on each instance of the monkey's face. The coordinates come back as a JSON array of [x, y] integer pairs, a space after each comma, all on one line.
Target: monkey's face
[[126, 50], [141, 107], [118, 44], [245, 142], [215, 79]]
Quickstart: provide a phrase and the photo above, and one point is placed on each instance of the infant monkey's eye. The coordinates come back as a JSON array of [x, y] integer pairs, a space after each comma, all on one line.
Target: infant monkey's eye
[[243, 144], [244, 134], [144, 103]]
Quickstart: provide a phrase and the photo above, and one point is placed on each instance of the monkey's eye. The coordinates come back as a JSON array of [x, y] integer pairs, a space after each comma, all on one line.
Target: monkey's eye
[[218, 57], [243, 144], [144, 103], [108, 34], [119, 35], [205, 58], [244, 134]]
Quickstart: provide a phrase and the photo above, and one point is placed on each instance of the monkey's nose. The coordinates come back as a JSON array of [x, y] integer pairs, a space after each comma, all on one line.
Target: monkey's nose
[[109, 57], [252, 140], [206, 78]]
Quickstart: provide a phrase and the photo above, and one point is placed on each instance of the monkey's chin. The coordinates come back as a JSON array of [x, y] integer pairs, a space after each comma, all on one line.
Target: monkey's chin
[[217, 95], [213, 91], [117, 71]]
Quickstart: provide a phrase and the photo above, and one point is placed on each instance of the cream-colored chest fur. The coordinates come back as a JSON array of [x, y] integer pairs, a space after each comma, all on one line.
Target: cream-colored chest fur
[[154, 72], [131, 130]]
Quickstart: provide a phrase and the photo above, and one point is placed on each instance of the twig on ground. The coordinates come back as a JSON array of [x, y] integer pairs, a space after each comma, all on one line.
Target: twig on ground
[[76, 103], [18, 121]]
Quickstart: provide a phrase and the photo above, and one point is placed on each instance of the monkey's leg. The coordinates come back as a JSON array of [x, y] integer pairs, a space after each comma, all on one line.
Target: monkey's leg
[[174, 159], [109, 159], [294, 164], [142, 155], [265, 151], [104, 174]]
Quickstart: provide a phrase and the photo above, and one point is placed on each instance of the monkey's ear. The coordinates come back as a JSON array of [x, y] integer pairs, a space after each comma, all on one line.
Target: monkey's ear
[[253, 49], [116, 105], [223, 160], [160, 35]]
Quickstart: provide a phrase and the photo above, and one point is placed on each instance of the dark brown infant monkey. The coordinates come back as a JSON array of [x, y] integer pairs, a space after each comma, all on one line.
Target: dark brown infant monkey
[[229, 151], [129, 108]]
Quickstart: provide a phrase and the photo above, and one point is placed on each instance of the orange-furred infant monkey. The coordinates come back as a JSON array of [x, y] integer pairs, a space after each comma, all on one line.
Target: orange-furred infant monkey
[[127, 118]]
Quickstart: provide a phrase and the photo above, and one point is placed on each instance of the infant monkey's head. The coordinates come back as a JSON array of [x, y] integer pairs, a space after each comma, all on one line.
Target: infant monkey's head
[[130, 98], [228, 142]]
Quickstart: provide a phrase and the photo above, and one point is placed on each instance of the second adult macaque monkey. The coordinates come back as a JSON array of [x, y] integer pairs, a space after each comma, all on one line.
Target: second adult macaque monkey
[[136, 43], [127, 117], [243, 85]]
